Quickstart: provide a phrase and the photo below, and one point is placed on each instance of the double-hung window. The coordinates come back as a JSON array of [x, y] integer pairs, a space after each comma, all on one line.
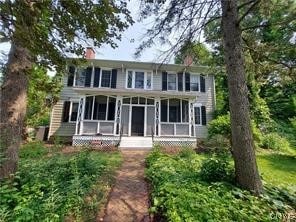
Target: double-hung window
[[194, 82], [197, 115], [80, 77], [139, 79], [172, 81], [106, 78]]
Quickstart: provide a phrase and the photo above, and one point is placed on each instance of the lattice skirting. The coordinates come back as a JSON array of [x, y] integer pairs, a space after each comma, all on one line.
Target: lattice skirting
[[95, 141], [174, 142]]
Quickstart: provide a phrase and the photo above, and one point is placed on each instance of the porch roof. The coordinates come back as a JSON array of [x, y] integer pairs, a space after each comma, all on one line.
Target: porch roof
[[135, 92]]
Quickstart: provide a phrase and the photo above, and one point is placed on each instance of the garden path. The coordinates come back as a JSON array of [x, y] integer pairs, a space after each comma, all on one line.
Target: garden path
[[129, 198]]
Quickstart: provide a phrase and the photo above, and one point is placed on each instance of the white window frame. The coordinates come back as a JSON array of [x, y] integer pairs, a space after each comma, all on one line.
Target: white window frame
[[176, 83], [75, 74], [101, 75], [197, 105], [168, 111], [70, 110], [134, 79], [198, 77]]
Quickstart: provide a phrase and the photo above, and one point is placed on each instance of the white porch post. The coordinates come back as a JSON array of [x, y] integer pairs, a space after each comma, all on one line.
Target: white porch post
[[191, 119], [82, 116], [157, 117], [117, 123]]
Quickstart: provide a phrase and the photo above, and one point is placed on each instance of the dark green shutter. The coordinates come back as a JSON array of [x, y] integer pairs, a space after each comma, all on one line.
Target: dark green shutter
[[187, 81], [66, 110], [113, 78], [203, 116], [97, 77], [202, 84], [88, 77], [71, 76], [180, 81], [164, 81]]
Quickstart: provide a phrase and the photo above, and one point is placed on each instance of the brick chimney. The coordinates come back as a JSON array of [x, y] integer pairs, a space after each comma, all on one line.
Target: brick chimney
[[90, 53], [188, 60]]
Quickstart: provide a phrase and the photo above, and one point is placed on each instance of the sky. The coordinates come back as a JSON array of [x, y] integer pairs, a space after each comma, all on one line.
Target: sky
[[131, 39]]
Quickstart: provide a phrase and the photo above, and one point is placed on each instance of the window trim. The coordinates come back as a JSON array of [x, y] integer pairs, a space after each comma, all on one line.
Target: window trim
[[198, 78], [181, 111], [101, 77], [197, 105], [70, 110], [134, 78], [176, 82], [107, 110]]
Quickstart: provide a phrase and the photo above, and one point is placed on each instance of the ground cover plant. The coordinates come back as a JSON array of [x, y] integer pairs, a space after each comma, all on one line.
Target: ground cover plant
[[52, 186], [184, 190]]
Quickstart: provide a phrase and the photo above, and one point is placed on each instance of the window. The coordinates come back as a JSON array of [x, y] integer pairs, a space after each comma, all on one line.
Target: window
[[194, 83], [172, 82], [88, 107], [149, 80], [74, 111], [129, 79], [173, 109], [70, 111], [80, 77], [138, 80], [100, 108], [197, 115], [106, 78]]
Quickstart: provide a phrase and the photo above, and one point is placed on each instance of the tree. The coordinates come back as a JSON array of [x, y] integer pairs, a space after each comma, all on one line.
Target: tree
[[43, 32], [187, 20]]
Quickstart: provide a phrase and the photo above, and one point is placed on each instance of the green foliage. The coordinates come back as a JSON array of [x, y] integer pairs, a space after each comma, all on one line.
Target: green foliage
[[275, 142], [43, 93], [54, 188], [33, 150], [180, 194], [216, 168], [220, 126], [51, 29]]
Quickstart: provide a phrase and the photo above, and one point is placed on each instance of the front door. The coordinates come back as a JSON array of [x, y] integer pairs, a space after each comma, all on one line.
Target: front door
[[137, 121]]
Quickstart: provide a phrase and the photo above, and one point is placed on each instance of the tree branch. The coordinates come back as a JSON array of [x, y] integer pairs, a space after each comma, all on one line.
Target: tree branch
[[248, 11]]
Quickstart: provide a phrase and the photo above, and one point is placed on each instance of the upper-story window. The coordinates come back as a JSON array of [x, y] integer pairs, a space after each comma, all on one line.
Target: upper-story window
[[172, 81], [139, 79], [183, 82], [92, 77]]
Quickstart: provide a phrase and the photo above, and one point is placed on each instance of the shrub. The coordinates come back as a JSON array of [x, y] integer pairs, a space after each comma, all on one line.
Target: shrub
[[33, 150], [216, 168], [220, 126], [274, 141]]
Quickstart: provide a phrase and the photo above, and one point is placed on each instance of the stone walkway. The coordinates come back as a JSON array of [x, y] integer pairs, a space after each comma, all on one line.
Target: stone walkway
[[128, 200]]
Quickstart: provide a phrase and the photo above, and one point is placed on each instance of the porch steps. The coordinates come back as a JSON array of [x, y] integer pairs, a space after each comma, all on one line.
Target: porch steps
[[135, 142]]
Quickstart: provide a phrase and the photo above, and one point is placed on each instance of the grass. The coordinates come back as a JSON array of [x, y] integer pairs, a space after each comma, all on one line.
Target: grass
[[277, 169], [52, 186]]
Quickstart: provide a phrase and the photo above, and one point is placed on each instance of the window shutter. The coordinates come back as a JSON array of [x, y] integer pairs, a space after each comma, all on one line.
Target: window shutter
[[88, 77], [113, 78], [66, 110], [203, 116], [187, 81], [71, 76], [97, 77], [180, 81], [202, 84], [164, 81]]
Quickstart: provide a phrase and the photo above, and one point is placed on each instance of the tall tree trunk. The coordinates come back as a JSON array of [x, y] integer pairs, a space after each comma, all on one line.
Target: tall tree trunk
[[246, 170], [13, 107]]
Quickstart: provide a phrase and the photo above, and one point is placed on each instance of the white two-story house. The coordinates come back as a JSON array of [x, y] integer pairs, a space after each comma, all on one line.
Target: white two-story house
[[134, 104]]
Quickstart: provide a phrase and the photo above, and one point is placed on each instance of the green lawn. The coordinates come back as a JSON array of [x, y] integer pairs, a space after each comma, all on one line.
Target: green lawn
[[51, 186], [277, 169]]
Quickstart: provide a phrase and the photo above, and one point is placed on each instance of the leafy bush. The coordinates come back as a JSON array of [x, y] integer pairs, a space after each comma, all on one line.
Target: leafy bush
[[52, 189], [274, 141], [179, 194], [216, 168], [220, 126], [33, 150]]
